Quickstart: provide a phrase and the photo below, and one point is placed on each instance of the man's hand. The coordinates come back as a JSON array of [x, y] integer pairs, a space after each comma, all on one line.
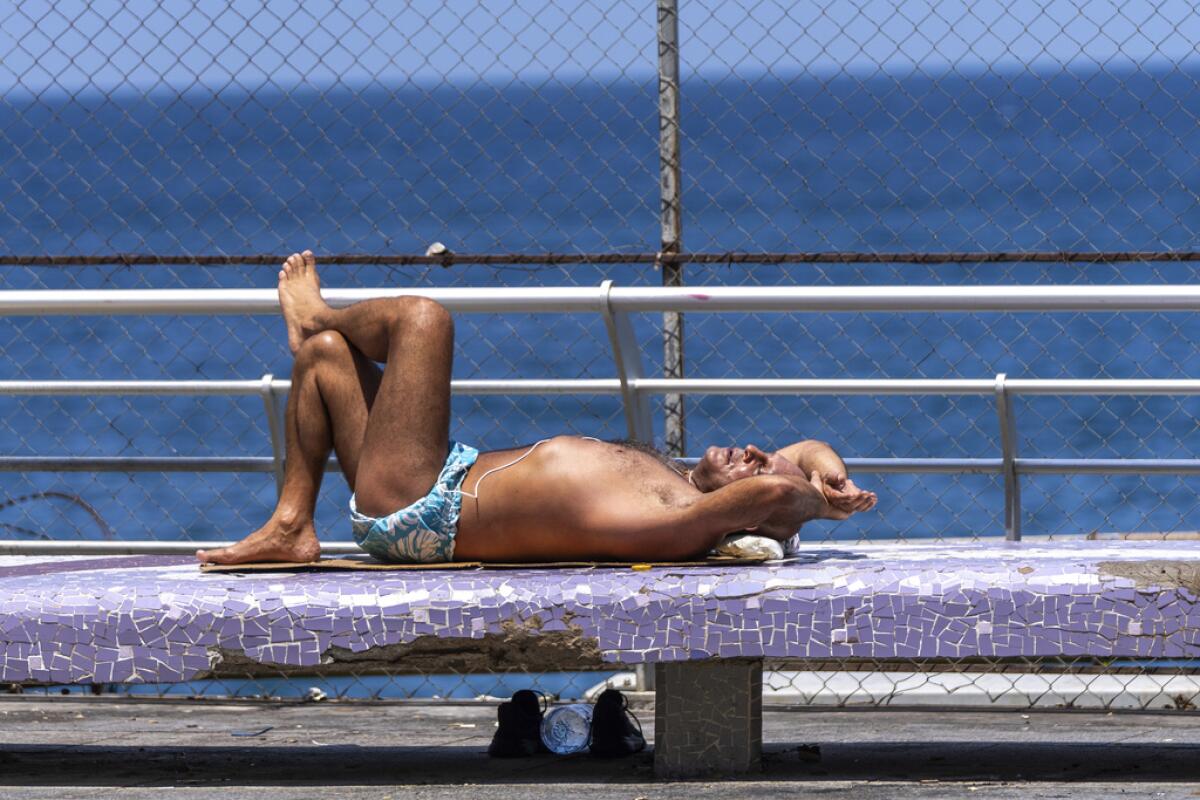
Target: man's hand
[[826, 472], [841, 494], [815, 498]]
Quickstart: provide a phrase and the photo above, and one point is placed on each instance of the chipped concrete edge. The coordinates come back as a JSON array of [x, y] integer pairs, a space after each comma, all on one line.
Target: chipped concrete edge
[[515, 648], [1155, 574]]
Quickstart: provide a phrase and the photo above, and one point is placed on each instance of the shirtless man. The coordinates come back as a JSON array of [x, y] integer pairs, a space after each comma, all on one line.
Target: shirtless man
[[567, 498]]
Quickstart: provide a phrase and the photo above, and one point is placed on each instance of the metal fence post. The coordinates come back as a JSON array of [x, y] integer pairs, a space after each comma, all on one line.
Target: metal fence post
[[628, 360], [1008, 452], [670, 213], [275, 424]]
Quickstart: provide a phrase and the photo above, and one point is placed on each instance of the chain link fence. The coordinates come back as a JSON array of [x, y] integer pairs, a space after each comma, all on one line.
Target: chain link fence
[[1044, 683], [901, 127]]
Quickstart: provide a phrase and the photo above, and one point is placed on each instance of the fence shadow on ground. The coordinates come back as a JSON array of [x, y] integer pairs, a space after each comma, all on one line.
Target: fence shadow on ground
[[908, 760]]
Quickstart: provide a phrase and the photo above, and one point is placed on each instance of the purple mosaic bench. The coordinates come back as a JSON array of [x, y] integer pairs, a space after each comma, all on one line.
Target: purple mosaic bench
[[141, 619]]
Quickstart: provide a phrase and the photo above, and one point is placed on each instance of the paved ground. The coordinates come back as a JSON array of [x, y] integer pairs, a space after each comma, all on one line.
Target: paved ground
[[178, 751]]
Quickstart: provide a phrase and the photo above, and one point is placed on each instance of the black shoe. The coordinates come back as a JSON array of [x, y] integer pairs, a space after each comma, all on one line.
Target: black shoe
[[520, 731], [613, 727]]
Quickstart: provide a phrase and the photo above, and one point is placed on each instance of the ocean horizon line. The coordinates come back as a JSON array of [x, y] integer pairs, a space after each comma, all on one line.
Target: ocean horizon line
[[536, 83]]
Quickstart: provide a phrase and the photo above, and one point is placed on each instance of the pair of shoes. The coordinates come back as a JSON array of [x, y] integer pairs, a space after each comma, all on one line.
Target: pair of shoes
[[520, 731], [615, 732]]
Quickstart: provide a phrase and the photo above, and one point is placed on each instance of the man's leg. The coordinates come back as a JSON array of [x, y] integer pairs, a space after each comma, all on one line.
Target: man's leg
[[333, 387], [408, 431], [392, 443]]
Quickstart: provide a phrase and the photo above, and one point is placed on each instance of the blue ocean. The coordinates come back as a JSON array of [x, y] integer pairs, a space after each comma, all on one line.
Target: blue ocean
[[1100, 160]]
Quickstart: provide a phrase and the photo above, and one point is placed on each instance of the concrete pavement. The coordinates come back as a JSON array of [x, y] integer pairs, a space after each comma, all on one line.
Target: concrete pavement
[[87, 747]]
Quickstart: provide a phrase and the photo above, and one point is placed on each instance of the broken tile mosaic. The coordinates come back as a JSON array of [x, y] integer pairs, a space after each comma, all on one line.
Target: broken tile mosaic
[[158, 619]]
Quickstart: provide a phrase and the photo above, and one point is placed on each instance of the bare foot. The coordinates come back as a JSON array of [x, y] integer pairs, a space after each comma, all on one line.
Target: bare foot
[[300, 297], [274, 541]]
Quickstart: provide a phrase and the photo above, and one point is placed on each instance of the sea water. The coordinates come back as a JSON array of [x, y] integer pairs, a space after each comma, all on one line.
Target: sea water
[[1103, 160]]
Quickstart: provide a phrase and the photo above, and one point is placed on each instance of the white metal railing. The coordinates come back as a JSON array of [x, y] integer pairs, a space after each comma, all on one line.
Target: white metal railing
[[615, 305], [629, 299]]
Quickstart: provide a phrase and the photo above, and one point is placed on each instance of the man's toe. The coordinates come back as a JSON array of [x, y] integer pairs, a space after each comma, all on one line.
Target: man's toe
[[220, 556]]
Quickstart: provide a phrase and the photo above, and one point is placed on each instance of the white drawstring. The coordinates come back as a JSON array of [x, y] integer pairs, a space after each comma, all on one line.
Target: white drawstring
[[475, 496]]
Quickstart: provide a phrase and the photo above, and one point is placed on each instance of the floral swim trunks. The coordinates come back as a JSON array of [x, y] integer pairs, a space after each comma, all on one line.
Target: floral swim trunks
[[422, 533]]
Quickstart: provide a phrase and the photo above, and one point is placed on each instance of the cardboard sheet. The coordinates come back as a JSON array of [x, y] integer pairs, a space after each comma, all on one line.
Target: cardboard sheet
[[366, 563]]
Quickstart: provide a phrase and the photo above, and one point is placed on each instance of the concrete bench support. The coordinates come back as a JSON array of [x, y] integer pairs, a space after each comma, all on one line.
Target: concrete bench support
[[707, 718]]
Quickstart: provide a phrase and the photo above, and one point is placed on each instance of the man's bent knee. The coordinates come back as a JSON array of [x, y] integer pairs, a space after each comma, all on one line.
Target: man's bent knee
[[423, 314], [323, 346], [327, 348]]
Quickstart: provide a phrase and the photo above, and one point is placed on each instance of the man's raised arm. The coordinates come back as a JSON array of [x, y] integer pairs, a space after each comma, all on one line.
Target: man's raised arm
[[790, 501], [824, 468]]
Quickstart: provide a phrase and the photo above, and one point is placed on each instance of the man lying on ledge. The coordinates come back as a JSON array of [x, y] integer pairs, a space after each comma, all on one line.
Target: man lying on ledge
[[566, 498]]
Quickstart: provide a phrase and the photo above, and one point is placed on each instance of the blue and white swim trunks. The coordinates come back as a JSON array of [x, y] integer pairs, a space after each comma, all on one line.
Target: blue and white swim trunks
[[422, 533]]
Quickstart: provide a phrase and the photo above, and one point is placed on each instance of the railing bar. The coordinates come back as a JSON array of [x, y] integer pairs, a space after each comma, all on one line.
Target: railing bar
[[548, 259], [266, 301], [945, 466], [134, 387], [817, 386], [935, 386], [729, 386], [275, 424], [826, 299], [1106, 466], [1102, 386], [628, 361], [254, 387], [1183, 297], [1008, 451], [265, 464], [75, 547], [136, 464]]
